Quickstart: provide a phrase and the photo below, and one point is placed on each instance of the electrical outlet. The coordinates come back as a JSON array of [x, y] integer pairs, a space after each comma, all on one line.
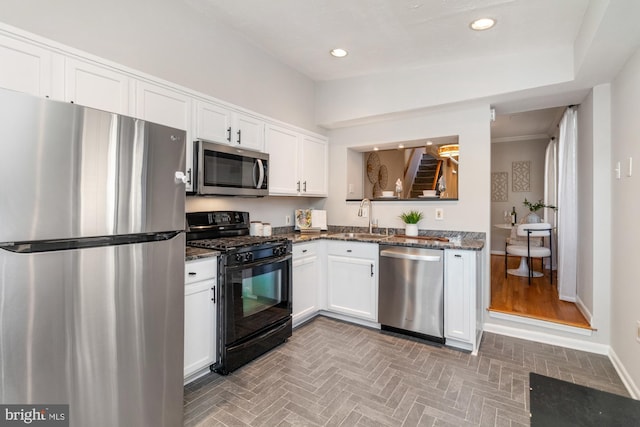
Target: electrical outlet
[[287, 220], [439, 214]]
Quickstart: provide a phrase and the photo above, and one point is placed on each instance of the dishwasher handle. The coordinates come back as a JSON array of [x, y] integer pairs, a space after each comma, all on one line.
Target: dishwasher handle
[[393, 253]]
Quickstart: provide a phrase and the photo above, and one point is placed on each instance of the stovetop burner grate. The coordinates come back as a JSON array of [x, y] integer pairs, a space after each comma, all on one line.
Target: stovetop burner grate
[[230, 243]]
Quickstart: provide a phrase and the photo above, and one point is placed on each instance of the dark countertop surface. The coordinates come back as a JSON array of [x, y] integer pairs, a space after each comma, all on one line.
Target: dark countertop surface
[[396, 240], [427, 242], [198, 253]]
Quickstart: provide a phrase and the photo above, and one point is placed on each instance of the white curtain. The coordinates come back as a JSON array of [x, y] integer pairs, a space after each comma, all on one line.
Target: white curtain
[[567, 206], [550, 195]]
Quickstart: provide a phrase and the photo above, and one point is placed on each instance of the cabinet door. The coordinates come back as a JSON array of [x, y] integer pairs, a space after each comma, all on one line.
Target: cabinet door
[[25, 67], [352, 287], [97, 87], [282, 146], [459, 295], [248, 132], [199, 326], [170, 108], [305, 288], [213, 123], [314, 166]]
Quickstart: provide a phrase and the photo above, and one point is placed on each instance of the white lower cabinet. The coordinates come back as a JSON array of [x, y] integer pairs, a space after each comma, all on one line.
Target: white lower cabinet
[[306, 282], [461, 328], [199, 316], [352, 279]]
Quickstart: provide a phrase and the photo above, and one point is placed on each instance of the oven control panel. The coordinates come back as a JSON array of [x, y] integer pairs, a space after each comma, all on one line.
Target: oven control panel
[[259, 253]]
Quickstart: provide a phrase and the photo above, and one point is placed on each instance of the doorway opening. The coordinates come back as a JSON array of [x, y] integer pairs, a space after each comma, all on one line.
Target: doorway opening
[[518, 175]]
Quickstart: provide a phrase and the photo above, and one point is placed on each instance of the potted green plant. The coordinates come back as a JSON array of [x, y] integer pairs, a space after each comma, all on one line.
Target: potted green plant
[[411, 219], [533, 217]]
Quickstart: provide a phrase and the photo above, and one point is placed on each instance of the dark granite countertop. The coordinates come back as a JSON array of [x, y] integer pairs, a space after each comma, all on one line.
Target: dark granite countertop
[[198, 253], [396, 240]]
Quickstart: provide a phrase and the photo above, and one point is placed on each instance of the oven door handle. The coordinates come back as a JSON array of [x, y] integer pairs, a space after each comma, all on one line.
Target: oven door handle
[[258, 182], [260, 263], [251, 342]]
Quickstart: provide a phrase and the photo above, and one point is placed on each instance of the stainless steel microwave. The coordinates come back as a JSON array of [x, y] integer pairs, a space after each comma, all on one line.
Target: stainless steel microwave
[[230, 171]]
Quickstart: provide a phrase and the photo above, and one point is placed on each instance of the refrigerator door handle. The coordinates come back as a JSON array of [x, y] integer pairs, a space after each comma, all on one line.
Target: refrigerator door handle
[[30, 247]]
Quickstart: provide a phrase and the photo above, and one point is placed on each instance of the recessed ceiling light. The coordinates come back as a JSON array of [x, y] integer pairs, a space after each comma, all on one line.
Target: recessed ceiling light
[[375, 148], [482, 24], [338, 53], [400, 145], [429, 142]]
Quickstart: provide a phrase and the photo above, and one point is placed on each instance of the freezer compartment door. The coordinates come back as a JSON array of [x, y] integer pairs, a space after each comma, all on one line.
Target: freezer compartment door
[[100, 329], [70, 172]]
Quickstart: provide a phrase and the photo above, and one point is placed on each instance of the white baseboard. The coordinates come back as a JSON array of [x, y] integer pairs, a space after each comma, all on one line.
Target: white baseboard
[[631, 386], [540, 323], [567, 298], [497, 253], [584, 310], [545, 338]]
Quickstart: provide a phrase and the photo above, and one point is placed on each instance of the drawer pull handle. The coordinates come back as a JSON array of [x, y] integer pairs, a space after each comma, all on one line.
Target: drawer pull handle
[[214, 294], [458, 256], [349, 250], [304, 251], [191, 273]]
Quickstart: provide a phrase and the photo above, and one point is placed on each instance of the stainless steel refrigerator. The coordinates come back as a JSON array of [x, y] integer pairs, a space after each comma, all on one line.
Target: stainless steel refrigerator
[[91, 263]]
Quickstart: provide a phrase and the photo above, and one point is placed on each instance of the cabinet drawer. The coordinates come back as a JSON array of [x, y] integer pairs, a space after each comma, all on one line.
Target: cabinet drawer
[[304, 249], [200, 269], [353, 249]]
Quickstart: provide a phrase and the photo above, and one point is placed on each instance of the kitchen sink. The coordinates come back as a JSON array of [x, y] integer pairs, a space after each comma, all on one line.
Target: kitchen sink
[[364, 236]]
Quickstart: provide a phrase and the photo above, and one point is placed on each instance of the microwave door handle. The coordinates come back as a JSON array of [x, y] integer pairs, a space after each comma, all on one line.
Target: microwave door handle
[[258, 183]]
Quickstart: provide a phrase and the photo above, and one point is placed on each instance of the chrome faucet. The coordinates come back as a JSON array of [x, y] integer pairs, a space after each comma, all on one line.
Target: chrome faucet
[[362, 203]]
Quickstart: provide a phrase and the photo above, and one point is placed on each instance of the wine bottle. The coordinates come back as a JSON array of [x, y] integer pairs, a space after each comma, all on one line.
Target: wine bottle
[[514, 216]]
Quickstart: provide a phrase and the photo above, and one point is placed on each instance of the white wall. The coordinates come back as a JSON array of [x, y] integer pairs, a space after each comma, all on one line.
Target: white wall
[[176, 42], [265, 209], [502, 156], [343, 101], [584, 272], [469, 213], [625, 208]]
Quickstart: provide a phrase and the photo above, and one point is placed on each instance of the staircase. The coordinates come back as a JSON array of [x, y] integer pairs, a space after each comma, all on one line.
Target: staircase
[[426, 176]]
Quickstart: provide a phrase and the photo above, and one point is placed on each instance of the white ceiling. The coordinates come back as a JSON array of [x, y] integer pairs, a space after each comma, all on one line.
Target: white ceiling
[[526, 126], [386, 35]]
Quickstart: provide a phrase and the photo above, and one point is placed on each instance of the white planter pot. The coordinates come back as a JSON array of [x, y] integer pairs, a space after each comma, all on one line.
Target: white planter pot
[[411, 229]]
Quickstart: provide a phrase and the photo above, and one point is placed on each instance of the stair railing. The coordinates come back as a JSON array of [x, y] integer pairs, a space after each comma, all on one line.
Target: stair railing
[[411, 169]]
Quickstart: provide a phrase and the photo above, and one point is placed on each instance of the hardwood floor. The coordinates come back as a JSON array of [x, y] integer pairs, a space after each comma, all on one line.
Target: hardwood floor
[[512, 295]]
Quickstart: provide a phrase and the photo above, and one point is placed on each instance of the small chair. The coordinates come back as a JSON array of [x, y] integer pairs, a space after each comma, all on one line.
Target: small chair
[[531, 231]]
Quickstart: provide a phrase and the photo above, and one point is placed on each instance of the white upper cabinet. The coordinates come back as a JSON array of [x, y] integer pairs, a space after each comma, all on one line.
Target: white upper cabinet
[[25, 67], [314, 166], [170, 108], [298, 163], [282, 145], [213, 122], [219, 124], [163, 105], [248, 132], [97, 87]]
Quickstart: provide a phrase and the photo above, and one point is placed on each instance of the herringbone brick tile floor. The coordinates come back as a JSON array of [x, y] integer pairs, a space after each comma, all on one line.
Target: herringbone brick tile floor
[[332, 373]]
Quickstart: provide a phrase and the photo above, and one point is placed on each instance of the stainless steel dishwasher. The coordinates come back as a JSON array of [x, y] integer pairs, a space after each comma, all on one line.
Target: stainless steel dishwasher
[[411, 291]]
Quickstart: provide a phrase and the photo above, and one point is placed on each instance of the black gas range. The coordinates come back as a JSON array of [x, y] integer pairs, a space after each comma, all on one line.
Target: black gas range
[[254, 292]]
